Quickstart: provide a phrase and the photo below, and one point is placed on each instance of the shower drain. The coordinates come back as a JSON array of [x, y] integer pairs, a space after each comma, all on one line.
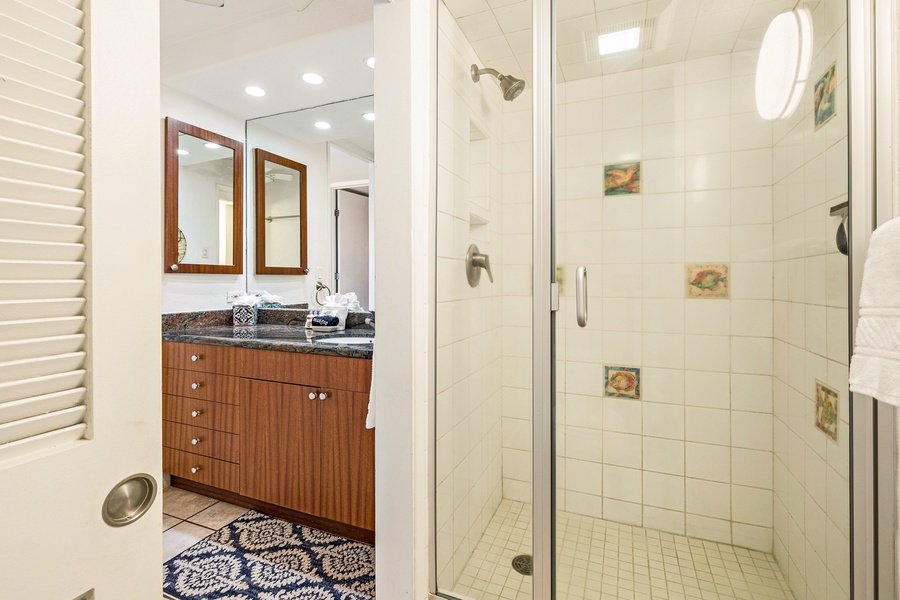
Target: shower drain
[[523, 564]]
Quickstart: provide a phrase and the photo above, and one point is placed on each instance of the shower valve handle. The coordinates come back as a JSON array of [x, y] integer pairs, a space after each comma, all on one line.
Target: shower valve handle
[[483, 261], [475, 260]]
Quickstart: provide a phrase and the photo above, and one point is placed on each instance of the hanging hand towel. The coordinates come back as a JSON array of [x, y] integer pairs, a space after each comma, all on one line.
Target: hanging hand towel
[[370, 415], [875, 366]]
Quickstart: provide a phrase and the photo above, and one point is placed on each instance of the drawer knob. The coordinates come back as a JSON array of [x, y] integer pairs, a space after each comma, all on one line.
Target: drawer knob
[[195, 441], [196, 413], [312, 395], [195, 357], [323, 395], [195, 470], [195, 386]]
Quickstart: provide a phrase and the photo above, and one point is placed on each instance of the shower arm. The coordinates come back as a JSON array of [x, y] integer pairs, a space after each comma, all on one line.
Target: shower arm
[[477, 73]]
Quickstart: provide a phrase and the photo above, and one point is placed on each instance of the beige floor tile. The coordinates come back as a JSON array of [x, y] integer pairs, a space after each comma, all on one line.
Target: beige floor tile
[[218, 515], [184, 504], [169, 522], [627, 566], [181, 537]]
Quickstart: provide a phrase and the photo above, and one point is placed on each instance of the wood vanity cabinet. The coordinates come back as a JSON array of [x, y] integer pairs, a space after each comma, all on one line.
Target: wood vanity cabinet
[[282, 432]]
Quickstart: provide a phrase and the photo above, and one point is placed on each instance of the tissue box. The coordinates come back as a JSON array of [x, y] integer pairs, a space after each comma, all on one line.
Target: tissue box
[[244, 315]]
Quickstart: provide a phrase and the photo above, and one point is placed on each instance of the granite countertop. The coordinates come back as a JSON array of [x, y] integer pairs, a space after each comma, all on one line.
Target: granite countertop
[[208, 328]]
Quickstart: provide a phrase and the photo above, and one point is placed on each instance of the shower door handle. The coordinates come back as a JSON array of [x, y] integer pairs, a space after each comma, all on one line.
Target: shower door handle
[[581, 312]]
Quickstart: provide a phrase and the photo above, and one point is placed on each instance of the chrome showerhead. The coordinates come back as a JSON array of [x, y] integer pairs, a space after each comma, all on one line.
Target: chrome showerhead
[[511, 86]]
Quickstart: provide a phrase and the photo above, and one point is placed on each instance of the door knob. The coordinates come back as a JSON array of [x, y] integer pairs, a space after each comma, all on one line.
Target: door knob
[[195, 470], [312, 395], [195, 386], [475, 261], [195, 441], [196, 413], [323, 395], [195, 357]]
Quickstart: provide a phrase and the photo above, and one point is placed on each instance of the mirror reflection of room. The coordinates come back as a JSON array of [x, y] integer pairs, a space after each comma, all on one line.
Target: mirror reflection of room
[[280, 214], [206, 210]]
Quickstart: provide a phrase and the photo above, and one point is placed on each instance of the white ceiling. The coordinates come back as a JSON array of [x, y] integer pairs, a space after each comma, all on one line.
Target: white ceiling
[[349, 129], [500, 31], [212, 54]]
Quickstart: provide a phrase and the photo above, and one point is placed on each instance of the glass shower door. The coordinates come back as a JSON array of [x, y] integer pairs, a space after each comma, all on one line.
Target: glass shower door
[[701, 415]]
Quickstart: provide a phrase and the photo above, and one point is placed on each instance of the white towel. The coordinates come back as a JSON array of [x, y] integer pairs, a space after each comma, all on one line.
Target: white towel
[[370, 415], [875, 366]]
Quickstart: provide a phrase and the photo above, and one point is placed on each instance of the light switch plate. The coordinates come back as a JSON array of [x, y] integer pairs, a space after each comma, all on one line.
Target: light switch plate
[[230, 297]]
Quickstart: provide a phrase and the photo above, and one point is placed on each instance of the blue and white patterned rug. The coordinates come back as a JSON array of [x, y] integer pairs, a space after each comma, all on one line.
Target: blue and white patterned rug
[[258, 557]]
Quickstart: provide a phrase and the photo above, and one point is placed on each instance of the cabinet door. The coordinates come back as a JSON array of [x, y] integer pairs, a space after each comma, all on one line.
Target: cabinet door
[[280, 446], [348, 460]]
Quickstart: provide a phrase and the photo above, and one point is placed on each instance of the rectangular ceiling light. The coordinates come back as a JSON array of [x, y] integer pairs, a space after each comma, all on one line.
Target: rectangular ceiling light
[[619, 41]]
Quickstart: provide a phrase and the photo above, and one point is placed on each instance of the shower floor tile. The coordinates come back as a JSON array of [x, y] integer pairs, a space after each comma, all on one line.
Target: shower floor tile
[[602, 560]]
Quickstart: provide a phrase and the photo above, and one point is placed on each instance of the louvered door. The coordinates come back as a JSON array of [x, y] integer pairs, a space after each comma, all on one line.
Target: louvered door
[[42, 376], [80, 248]]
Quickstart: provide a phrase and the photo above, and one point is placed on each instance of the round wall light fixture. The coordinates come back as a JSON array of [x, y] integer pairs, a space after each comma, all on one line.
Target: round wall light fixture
[[783, 65]]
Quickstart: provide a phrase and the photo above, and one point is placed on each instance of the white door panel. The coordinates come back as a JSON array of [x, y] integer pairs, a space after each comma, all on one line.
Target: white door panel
[[80, 183]]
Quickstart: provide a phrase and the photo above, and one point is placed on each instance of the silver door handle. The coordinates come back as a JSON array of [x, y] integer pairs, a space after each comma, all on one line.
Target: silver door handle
[[581, 312]]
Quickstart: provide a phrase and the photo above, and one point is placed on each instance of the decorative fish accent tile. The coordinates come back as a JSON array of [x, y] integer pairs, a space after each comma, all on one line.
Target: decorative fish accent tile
[[622, 382], [823, 97], [707, 280], [827, 410], [622, 178]]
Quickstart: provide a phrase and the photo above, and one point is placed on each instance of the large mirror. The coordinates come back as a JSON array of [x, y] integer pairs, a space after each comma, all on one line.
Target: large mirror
[[280, 215], [204, 201], [336, 143]]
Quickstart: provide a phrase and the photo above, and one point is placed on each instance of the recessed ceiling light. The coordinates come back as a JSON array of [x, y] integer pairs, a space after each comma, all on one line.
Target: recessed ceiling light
[[182, 152], [313, 78], [370, 62], [368, 116], [323, 125], [212, 145], [619, 41], [255, 91]]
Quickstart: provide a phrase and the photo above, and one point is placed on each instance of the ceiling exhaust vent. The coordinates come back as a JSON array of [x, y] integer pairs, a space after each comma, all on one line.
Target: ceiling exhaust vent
[[619, 39]]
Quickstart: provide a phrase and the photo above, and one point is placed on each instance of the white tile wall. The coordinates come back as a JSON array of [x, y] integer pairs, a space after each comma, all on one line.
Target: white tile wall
[[472, 335], [810, 472]]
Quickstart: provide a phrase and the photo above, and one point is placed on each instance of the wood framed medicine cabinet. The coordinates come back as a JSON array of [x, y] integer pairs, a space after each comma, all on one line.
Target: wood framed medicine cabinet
[[280, 215], [204, 221]]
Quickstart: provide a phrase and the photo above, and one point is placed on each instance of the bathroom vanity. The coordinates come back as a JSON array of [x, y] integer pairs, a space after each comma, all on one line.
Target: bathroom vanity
[[268, 418]]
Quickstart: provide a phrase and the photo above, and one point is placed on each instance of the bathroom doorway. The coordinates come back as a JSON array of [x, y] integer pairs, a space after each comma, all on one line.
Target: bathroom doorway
[[668, 415], [353, 222]]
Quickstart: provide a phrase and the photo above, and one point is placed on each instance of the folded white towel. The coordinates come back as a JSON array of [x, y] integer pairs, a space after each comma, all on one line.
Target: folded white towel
[[370, 415], [875, 366]]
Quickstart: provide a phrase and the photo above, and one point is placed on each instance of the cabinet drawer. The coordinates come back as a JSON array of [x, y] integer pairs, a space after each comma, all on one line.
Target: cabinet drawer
[[328, 372], [209, 471], [200, 357], [201, 413], [207, 442], [205, 386]]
